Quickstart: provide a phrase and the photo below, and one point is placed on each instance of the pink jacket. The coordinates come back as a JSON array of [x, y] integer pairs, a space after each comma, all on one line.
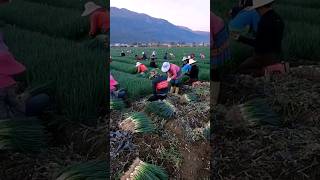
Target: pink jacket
[[174, 71], [113, 83]]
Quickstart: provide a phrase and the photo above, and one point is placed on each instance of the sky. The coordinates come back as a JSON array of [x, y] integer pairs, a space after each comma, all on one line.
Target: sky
[[194, 14]]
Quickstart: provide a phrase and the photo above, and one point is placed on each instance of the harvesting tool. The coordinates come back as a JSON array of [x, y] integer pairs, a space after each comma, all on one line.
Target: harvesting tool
[[142, 170], [137, 123]]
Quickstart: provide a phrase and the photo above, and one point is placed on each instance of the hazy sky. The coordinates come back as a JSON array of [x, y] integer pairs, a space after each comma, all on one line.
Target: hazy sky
[[194, 14]]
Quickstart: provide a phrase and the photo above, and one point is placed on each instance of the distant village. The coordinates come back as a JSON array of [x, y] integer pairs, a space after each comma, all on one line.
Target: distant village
[[172, 44]]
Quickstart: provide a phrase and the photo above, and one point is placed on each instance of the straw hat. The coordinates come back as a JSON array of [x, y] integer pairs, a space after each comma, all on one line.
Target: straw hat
[[138, 64], [165, 67], [89, 8], [191, 61], [258, 3], [184, 58]]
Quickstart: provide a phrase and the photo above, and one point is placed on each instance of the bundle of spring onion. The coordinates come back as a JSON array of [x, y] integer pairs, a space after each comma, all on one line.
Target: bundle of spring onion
[[161, 108], [191, 97], [26, 135], [258, 111], [92, 170], [116, 104], [141, 170], [137, 123]]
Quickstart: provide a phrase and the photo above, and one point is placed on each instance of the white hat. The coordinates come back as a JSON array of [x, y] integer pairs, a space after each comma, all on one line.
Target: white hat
[[165, 67], [142, 52], [184, 58], [89, 7], [191, 61], [138, 64], [189, 57], [258, 3]]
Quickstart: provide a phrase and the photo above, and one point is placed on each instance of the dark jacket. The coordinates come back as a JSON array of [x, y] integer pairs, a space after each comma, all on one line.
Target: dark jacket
[[194, 72], [155, 81], [269, 34]]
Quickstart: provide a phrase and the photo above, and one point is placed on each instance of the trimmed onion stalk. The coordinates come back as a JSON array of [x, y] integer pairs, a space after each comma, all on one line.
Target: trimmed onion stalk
[[138, 123], [161, 108]]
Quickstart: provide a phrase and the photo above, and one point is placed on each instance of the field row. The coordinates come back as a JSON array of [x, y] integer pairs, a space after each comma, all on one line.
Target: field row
[[75, 70], [56, 22]]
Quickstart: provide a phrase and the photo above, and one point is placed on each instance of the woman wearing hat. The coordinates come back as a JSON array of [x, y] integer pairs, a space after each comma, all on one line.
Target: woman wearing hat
[[186, 67], [194, 72], [160, 86], [13, 104], [99, 18], [174, 74], [268, 41], [115, 92], [141, 68]]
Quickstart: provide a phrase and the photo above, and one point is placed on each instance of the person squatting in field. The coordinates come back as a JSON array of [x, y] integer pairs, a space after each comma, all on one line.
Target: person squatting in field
[[174, 74], [160, 86], [153, 60], [99, 20], [193, 72], [141, 68], [12, 103], [115, 92], [220, 52], [268, 40], [144, 56]]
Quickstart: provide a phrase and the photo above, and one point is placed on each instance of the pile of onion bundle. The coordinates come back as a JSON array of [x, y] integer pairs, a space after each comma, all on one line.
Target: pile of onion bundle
[[161, 108], [141, 170], [137, 123], [25, 135], [94, 170], [258, 111], [191, 97], [116, 104]]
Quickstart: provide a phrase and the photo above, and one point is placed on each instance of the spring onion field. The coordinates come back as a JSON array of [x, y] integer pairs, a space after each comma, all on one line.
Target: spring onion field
[[51, 39], [302, 29], [123, 68]]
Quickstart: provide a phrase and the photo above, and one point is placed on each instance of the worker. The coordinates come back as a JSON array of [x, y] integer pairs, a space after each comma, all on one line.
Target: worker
[[220, 52], [12, 104], [243, 18], [165, 57], [186, 67], [153, 61], [268, 41], [138, 58], [144, 56], [123, 54], [99, 19], [160, 86], [174, 74], [194, 72], [115, 92], [141, 68]]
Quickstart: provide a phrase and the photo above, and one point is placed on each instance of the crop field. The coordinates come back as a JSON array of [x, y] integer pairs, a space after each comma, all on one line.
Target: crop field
[[50, 39], [262, 126], [127, 65], [168, 133], [302, 29]]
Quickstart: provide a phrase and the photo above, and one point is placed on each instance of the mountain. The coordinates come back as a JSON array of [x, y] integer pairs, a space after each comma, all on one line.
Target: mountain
[[127, 27]]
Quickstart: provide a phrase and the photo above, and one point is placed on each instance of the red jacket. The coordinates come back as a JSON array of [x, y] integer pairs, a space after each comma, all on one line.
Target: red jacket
[[99, 21], [142, 68]]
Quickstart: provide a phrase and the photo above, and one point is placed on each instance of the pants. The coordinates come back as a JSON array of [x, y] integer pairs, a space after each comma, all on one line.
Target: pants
[[37, 104], [254, 65], [157, 97]]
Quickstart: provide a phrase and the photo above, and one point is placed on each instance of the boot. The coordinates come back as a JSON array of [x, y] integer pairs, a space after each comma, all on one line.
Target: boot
[[177, 90], [215, 87], [172, 89]]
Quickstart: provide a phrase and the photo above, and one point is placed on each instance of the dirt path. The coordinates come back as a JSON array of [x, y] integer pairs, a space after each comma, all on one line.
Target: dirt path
[[196, 157]]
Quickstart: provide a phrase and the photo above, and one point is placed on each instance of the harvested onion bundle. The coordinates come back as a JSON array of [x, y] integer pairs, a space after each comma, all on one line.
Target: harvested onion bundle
[[137, 123]]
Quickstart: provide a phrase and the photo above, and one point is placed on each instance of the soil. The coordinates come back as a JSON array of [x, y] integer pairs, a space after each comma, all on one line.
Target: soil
[[193, 158], [288, 151]]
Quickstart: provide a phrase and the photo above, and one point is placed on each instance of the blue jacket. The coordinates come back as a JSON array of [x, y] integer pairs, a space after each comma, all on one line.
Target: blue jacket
[[186, 68], [243, 19]]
